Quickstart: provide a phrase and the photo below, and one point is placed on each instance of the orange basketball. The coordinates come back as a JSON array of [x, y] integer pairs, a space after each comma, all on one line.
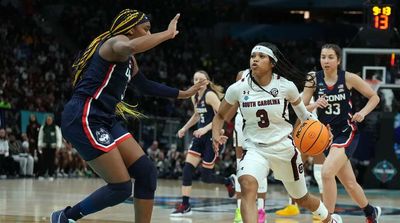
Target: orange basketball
[[311, 137]]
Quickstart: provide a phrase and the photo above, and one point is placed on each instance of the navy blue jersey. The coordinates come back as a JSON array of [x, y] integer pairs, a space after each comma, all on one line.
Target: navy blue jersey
[[205, 111], [105, 81], [338, 113]]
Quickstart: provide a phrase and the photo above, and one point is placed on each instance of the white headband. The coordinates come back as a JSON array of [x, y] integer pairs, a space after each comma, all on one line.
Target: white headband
[[264, 50]]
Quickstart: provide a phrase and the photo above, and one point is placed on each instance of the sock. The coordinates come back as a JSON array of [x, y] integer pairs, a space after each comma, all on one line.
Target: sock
[[106, 196], [368, 210], [238, 201], [260, 203], [185, 200], [321, 211]]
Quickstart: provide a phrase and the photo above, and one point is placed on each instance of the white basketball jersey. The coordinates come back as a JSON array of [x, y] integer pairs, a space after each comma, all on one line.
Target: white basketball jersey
[[265, 114]]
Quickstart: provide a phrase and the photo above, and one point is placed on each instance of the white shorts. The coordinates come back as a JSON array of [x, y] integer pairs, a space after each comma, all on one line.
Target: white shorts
[[290, 171], [238, 133]]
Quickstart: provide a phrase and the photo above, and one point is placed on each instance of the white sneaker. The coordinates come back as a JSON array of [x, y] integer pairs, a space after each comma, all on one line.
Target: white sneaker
[[336, 218]]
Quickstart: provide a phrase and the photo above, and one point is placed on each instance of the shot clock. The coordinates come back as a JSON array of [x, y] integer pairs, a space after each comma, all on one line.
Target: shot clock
[[381, 17]]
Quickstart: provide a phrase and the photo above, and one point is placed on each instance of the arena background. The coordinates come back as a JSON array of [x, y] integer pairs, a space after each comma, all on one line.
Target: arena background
[[40, 40]]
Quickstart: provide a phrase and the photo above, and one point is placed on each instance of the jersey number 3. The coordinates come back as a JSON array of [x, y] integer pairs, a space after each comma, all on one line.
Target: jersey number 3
[[263, 115]]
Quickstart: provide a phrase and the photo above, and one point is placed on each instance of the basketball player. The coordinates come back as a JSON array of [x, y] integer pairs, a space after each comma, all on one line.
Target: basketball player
[[332, 89], [237, 143], [262, 97], [206, 103], [102, 74]]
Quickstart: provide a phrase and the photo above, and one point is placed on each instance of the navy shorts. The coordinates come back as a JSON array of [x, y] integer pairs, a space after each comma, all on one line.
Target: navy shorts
[[345, 137], [91, 131], [202, 147]]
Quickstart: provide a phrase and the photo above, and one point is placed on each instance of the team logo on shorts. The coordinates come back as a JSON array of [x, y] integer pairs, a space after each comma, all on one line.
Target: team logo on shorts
[[103, 136], [274, 92], [301, 168]]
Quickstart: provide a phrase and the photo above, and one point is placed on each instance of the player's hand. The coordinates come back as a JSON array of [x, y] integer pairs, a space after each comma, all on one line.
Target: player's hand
[[181, 133], [172, 26], [358, 117], [321, 102], [192, 90], [219, 140], [199, 132]]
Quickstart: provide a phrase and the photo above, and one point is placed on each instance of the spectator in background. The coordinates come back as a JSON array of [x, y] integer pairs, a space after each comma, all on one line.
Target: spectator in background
[[7, 164], [22, 156], [32, 131], [49, 141], [155, 153], [3, 153]]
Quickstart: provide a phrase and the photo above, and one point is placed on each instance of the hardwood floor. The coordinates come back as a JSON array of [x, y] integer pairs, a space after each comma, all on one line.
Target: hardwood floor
[[31, 200]]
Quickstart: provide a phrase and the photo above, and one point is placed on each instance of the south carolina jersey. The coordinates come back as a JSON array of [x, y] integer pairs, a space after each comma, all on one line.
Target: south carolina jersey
[[338, 113], [265, 116], [205, 111], [104, 81]]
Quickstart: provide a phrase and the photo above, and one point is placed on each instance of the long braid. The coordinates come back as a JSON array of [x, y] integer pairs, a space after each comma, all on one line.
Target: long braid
[[286, 69], [122, 23]]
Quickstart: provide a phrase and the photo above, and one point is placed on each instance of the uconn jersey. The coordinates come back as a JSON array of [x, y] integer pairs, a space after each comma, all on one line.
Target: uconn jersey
[[205, 111], [339, 110], [105, 82], [264, 114]]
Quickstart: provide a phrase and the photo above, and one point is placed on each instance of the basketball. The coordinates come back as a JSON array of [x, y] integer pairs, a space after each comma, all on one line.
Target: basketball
[[311, 137]]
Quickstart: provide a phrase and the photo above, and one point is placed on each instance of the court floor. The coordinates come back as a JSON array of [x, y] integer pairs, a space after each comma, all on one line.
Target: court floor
[[31, 200]]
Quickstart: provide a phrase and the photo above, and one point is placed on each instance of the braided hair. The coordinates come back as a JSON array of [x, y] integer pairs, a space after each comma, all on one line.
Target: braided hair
[[122, 23], [285, 68]]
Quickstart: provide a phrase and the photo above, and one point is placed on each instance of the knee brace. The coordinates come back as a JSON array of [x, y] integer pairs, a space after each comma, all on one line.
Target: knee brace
[[188, 170], [145, 174], [119, 191]]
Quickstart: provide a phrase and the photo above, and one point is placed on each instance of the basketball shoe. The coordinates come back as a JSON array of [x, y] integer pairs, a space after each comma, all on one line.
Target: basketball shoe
[[59, 217], [261, 216], [335, 218], [182, 210], [238, 216], [289, 210], [231, 186], [375, 216]]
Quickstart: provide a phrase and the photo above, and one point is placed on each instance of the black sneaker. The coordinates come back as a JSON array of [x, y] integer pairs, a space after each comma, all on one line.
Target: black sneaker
[[182, 210], [375, 215], [59, 217]]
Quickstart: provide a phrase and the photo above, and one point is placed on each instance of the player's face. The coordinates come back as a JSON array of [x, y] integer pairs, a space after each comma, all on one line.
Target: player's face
[[260, 63], [329, 60], [141, 30], [197, 77]]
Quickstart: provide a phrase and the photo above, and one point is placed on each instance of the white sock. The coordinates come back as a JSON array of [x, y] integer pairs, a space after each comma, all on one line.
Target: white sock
[[239, 201], [321, 211], [260, 203]]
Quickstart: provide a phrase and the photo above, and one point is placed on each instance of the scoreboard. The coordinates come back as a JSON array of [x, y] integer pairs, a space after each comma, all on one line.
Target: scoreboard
[[381, 17]]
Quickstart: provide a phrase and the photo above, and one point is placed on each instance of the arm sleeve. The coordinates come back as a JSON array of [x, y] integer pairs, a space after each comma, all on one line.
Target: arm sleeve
[[302, 112], [231, 95], [292, 94], [153, 88]]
